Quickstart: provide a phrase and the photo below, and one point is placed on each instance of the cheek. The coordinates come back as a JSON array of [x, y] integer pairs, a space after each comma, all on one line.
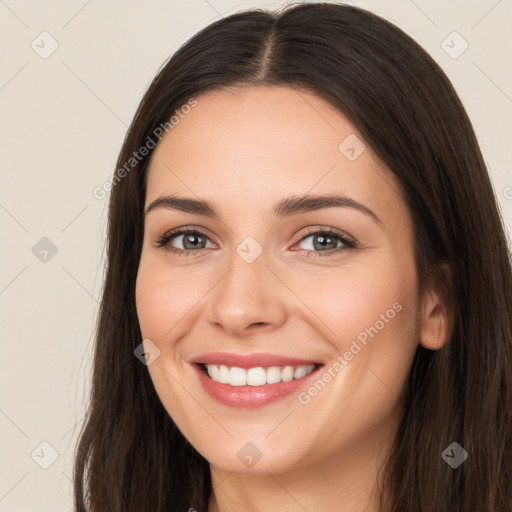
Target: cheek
[[376, 329], [164, 297], [371, 317], [152, 301], [369, 314], [350, 301]]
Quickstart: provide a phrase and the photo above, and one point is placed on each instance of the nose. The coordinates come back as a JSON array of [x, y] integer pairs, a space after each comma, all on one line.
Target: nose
[[248, 299]]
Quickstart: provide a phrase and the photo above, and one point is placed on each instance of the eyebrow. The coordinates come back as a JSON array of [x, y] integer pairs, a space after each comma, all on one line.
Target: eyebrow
[[287, 207]]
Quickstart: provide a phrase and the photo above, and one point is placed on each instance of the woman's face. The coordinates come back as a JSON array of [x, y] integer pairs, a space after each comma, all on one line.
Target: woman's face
[[275, 281]]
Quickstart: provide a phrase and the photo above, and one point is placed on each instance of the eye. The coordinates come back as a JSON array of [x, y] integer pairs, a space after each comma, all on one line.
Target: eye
[[322, 242], [326, 241], [189, 241]]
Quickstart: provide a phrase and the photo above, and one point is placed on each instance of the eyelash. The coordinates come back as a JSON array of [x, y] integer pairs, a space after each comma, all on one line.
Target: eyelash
[[349, 243]]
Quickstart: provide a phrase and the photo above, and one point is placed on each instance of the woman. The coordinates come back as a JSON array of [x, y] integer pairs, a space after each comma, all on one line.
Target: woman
[[308, 295]]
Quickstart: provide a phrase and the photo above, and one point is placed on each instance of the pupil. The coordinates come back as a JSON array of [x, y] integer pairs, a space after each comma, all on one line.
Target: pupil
[[190, 239], [324, 241]]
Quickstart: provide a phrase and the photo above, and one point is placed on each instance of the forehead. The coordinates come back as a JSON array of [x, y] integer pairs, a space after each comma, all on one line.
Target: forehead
[[262, 143], [253, 124]]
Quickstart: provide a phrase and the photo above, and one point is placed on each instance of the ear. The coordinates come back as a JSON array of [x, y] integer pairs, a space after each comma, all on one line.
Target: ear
[[435, 316]]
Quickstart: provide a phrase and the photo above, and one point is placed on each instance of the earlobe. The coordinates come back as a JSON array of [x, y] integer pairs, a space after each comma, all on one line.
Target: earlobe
[[435, 324]]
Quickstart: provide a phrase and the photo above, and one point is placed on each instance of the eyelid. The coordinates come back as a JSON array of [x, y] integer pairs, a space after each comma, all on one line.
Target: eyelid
[[312, 230], [163, 240], [349, 243]]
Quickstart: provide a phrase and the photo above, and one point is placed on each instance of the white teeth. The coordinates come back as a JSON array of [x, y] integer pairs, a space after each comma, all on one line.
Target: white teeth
[[237, 376], [299, 372], [224, 374], [213, 371], [287, 373], [273, 375], [257, 376]]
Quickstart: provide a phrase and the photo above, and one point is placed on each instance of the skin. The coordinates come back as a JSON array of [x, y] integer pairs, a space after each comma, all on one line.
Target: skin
[[244, 150]]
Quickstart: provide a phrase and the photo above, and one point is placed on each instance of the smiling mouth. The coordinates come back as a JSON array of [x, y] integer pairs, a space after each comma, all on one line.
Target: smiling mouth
[[256, 376]]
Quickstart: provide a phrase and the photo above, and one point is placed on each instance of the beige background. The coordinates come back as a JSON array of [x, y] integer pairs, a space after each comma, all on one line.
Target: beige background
[[63, 119]]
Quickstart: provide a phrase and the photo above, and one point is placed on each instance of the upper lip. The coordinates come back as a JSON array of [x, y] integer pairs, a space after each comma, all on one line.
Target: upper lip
[[250, 360]]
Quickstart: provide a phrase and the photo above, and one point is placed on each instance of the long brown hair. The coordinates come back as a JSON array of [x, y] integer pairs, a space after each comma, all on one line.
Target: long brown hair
[[131, 456]]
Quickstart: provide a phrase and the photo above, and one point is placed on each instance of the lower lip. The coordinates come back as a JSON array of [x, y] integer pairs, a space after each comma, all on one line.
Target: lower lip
[[250, 396]]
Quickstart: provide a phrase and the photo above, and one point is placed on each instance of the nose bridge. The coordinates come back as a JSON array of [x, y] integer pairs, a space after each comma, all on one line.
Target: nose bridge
[[248, 293]]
